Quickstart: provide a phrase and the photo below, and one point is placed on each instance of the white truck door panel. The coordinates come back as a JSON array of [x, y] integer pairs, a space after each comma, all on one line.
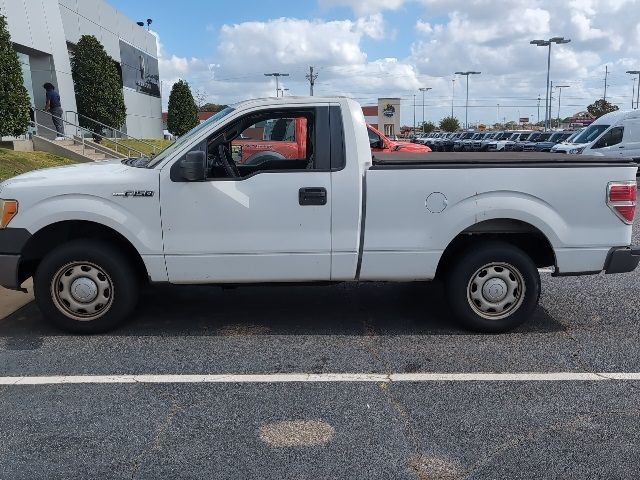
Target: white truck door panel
[[248, 230]]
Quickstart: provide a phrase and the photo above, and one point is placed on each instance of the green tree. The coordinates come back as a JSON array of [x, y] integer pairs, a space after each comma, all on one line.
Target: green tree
[[600, 107], [14, 99], [97, 84], [428, 127], [449, 124], [182, 114]]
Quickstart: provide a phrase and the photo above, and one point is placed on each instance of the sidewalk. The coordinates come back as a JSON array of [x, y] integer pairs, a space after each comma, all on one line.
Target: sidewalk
[[10, 300]]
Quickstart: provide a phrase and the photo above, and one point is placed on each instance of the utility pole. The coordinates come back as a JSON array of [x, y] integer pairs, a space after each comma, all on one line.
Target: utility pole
[[498, 114], [636, 72], [539, 108], [277, 75], [606, 74], [560, 87], [312, 80]]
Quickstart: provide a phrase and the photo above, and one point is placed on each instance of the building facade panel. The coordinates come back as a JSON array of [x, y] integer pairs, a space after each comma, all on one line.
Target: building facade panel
[[43, 31]]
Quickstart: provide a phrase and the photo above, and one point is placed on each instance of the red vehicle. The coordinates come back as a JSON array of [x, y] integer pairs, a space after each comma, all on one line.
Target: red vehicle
[[287, 138], [381, 143]]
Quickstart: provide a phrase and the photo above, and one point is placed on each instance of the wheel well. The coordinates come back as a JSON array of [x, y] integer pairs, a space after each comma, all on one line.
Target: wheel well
[[44, 240], [515, 232]]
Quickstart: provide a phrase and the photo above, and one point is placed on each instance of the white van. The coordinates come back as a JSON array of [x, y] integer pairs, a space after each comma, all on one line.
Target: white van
[[616, 134]]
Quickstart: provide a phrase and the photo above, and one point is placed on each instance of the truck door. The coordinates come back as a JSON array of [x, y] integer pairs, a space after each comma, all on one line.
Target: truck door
[[264, 221]]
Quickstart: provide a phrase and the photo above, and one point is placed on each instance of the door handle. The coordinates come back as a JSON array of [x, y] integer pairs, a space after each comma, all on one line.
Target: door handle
[[312, 196], [621, 146]]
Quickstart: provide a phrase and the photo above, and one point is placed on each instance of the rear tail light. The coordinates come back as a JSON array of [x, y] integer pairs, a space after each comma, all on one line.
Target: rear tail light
[[622, 198]]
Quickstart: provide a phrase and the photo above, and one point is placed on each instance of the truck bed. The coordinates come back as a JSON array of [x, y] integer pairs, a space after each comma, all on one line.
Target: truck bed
[[491, 159]]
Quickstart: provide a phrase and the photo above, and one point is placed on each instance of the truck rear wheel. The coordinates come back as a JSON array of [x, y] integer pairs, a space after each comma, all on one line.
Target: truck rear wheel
[[493, 288], [86, 286]]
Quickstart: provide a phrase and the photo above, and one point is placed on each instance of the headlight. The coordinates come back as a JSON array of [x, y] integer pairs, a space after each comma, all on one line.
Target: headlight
[[576, 151], [9, 209]]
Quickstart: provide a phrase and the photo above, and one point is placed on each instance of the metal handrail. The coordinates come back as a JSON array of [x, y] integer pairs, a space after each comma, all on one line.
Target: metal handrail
[[82, 137], [114, 130]]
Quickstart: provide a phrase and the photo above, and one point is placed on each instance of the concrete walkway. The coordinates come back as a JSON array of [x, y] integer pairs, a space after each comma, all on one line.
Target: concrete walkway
[[10, 300]]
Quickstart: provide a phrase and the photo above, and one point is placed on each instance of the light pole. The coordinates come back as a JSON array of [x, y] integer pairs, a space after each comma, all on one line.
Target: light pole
[[633, 91], [560, 87], [414, 113], [453, 94], [277, 75], [466, 107], [423, 89], [538, 108], [547, 43], [636, 72]]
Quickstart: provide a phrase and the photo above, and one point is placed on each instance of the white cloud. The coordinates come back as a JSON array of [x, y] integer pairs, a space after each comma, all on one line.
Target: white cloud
[[365, 7]]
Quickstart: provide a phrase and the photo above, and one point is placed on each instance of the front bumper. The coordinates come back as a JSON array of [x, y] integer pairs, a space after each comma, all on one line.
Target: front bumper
[[622, 259], [12, 242]]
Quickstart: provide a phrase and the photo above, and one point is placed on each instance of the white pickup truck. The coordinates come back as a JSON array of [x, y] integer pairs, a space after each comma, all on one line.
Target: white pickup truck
[[197, 213]]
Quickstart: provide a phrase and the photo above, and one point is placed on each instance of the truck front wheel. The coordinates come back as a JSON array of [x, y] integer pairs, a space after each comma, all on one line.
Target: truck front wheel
[[86, 286], [493, 288]]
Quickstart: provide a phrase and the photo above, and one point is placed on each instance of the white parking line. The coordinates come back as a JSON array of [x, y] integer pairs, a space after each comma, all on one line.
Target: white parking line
[[325, 377]]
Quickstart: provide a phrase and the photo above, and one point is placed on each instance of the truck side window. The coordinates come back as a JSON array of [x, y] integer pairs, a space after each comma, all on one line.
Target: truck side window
[[264, 141], [612, 137]]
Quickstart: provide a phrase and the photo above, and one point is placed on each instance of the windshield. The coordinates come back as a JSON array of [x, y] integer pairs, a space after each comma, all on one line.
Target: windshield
[[187, 136], [590, 133]]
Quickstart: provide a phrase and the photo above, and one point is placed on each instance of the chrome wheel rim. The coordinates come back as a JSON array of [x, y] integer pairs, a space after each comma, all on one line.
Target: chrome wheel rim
[[496, 290], [82, 291]]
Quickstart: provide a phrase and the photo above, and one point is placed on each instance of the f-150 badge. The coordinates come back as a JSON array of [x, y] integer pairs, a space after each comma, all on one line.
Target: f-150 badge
[[134, 193]]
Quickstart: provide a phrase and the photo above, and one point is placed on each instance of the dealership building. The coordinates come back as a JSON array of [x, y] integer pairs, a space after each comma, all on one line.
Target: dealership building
[[385, 116], [44, 33]]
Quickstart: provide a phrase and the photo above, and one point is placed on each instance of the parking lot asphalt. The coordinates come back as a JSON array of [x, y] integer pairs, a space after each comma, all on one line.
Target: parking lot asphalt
[[307, 430]]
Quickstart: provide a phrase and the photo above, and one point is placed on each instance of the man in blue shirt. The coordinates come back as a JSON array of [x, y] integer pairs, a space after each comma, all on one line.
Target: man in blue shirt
[[54, 107]]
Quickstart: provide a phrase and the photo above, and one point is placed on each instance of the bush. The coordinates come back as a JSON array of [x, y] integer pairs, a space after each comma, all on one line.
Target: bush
[[182, 114], [449, 124], [428, 127], [97, 84], [14, 99]]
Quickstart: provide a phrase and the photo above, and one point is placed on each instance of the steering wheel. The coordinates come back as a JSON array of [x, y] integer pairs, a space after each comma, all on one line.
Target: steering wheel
[[230, 167]]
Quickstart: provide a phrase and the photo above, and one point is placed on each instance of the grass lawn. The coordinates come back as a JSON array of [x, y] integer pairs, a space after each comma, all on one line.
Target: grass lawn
[[140, 145], [14, 163]]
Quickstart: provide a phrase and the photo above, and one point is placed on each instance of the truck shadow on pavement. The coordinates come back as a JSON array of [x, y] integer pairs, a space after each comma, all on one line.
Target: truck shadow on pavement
[[343, 309]]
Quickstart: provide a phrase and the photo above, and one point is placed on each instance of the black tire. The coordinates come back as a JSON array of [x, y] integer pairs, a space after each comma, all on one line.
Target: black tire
[[469, 300], [77, 263]]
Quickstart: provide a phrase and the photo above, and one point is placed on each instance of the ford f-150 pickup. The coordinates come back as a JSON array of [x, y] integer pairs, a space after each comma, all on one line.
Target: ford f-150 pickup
[[91, 234]]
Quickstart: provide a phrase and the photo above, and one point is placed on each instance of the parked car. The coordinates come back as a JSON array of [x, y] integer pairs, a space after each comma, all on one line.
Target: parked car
[[458, 142], [520, 143], [499, 141], [549, 139], [381, 143], [90, 234], [481, 143], [446, 145], [510, 145]]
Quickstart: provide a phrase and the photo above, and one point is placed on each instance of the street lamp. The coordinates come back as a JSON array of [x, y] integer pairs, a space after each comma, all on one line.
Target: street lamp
[[547, 43], [636, 72], [423, 89], [560, 87], [277, 75], [453, 93], [466, 107]]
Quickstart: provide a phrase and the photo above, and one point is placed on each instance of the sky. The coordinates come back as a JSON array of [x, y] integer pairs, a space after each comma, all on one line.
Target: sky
[[367, 49]]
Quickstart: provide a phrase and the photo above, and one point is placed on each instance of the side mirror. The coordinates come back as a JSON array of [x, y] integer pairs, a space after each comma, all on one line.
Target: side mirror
[[192, 166], [376, 144]]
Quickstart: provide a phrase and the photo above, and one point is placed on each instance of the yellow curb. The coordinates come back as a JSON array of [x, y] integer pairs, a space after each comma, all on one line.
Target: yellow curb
[[11, 300]]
